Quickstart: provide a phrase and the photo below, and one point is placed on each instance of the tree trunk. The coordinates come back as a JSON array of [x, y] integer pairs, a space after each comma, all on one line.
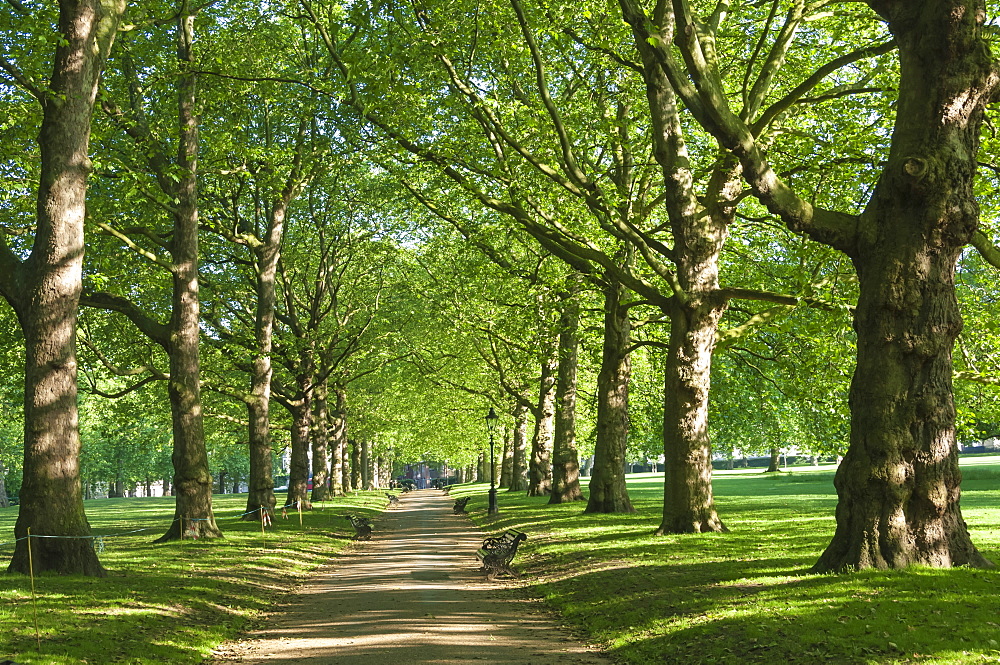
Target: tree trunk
[[688, 504], [320, 461], [260, 485], [44, 291], [898, 485], [366, 465], [338, 443], [772, 463], [506, 459], [540, 467], [355, 464], [260, 490], [298, 468], [608, 492], [519, 445], [192, 480], [565, 459], [345, 467]]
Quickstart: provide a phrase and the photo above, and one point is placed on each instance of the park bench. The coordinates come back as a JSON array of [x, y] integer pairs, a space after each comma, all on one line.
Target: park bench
[[498, 551], [460, 505], [362, 527], [393, 500]]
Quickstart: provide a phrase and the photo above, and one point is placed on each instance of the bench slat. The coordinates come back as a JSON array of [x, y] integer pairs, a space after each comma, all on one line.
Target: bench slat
[[497, 553]]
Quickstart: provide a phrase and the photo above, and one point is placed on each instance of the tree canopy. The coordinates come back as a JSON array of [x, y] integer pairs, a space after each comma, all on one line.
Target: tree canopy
[[675, 233]]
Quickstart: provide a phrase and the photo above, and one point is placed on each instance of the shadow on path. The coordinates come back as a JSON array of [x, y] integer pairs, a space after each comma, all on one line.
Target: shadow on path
[[413, 594]]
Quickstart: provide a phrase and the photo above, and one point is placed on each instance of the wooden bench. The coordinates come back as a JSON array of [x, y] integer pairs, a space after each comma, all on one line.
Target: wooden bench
[[362, 527], [460, 505], [393, 500], [498, 551]]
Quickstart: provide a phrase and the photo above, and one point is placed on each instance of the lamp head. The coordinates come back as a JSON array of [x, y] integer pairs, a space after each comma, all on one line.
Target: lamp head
[[492, 420]]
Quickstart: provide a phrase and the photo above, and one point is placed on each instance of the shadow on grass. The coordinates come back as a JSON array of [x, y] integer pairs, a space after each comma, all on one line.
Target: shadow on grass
[[751, 612]]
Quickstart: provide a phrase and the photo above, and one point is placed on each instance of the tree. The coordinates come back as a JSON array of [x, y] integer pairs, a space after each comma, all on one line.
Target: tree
[[44, 289], [898, 485], [177, 181]]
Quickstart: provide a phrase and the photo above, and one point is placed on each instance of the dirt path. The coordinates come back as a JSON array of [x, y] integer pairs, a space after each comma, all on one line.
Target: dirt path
[[413, 594]]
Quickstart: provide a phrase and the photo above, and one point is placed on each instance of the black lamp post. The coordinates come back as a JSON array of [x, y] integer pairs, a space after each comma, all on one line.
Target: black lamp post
[[491, 427]]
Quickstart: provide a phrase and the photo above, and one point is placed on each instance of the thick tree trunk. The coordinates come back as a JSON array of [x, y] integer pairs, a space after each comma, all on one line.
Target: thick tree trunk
[[608, 493], [688, 504], [899, 482], [260, 485], [44, 291], [192, 480], [320, 455], [540, 466], [565, 458], [298, 467], [260, 491], [772, 463], [519, 445]]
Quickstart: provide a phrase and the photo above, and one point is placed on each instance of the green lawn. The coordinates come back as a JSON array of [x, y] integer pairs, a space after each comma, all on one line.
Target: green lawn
[[169, 603], [740, 597], [745, 596]]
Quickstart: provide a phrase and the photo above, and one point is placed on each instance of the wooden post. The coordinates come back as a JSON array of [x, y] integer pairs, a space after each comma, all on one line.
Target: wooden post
[[34, 600]]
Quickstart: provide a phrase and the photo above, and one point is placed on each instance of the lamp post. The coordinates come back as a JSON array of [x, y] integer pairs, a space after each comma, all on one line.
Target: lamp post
[[491, 427]]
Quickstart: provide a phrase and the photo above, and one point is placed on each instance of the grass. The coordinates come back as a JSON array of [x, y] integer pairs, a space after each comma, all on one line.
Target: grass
[[739, 597], [746, 596], [166, 603]]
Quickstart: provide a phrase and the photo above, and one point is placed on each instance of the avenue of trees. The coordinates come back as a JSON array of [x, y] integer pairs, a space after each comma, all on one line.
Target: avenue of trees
[[338, 233]]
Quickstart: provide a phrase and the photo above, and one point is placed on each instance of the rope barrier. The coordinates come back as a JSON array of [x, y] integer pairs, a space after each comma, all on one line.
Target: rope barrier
[[101, 537]]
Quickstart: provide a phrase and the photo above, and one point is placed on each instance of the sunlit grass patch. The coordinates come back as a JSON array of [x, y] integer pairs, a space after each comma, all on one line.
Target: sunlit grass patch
[[746, 596], [171, 602]]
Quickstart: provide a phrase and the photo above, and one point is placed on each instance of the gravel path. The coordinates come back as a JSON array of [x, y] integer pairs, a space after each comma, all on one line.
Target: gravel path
[[412, 594]]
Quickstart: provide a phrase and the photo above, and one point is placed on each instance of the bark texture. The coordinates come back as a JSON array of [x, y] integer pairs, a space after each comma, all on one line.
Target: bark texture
[[898, 485], [565, 458], [44, 291], [688, 506], [260, 493], [192, 481], [519, 446], [298, 467], [320, 445], [608, 493], [338, 442], [540, 466]]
